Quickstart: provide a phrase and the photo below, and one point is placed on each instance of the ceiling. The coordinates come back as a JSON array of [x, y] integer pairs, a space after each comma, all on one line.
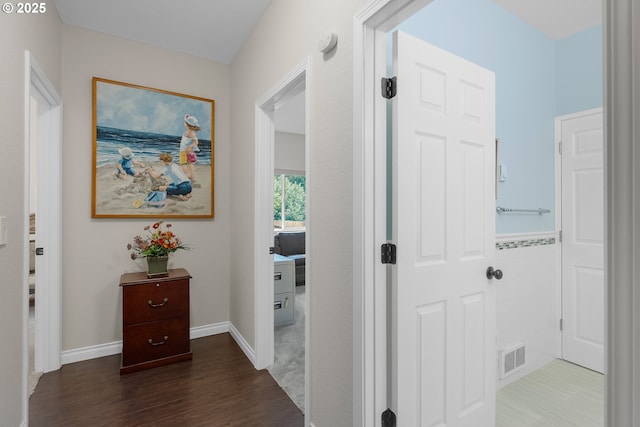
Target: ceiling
[[212, 29], [556, 18], [217, 29]]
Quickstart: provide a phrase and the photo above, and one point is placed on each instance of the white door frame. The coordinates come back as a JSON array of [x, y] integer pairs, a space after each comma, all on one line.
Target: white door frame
[[370, 345], [49, 221], [622, 171], [622, 204], [289, 86], [558, 211]]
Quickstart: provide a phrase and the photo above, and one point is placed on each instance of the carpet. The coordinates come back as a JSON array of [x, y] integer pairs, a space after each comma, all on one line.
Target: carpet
[[288, 367]]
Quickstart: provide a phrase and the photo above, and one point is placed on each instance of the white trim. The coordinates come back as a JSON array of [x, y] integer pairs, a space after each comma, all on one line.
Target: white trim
[[91, 352], [115, 347], [289, 172], [558, 226], [242, 343], [208, 330], [621, 106], [292, 84], [48, 322], [526, 236], [263, 287], [558, 211], [622, 186], [289, 86], [369, 169]]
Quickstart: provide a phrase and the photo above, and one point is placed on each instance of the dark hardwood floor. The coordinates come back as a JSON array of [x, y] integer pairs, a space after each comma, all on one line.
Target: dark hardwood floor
[[219, 387]]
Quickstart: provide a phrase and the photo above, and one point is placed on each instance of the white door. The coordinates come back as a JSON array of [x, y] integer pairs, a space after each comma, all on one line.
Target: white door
[[582, 240], [444, 225]]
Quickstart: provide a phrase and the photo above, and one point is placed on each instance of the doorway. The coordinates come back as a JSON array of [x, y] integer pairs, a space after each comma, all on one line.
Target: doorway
[[43, 122], [374, 26], [580, 188], [293, 87]]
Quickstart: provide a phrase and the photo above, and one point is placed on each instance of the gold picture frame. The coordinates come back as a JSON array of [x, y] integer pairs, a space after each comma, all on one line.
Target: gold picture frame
[[145, 142]]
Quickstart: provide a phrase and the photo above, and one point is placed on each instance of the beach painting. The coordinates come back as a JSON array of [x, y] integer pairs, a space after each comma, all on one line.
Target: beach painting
[[153, 153]]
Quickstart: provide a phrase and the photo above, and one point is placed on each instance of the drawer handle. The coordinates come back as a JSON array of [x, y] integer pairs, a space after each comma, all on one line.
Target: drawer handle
[[151, 304], [277, 305], [159, 342]]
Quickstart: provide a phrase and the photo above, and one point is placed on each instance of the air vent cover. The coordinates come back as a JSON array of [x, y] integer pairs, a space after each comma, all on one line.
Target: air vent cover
[[512, 359]]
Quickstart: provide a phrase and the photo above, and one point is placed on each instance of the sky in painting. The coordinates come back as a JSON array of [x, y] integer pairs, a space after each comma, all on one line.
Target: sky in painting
[[130, 108]]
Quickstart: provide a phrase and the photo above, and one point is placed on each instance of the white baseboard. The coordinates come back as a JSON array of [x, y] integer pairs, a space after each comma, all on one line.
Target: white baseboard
[[208, 330], [109, 349], [244, 345], [91, 352]]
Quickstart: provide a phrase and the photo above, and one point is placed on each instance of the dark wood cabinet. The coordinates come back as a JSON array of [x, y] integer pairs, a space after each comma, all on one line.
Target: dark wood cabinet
[[155, 320]]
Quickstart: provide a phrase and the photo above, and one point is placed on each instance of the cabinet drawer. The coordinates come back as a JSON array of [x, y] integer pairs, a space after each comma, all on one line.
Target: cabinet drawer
[[283, 278], [155, 340], [154, 301], [283, 308]]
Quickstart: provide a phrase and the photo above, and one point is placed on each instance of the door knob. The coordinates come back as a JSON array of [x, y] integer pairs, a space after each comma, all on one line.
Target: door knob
[[491, 273]]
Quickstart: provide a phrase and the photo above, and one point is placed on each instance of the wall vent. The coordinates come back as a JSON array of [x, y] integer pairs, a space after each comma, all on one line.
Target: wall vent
[[512, 359]]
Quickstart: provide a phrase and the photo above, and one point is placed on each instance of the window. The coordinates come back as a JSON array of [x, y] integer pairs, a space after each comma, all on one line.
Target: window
[[289, 201]]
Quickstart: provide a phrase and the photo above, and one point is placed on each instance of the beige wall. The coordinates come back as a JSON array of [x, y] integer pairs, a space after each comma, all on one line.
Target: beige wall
[[287, 34], [95, 252], [94, 249], [40, 34]]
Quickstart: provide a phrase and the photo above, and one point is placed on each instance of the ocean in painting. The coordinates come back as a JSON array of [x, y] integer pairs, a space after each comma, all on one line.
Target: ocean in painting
[[146, 146]]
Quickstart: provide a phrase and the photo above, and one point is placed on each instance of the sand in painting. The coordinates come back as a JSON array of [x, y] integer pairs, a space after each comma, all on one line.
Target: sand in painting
[[115, 196]]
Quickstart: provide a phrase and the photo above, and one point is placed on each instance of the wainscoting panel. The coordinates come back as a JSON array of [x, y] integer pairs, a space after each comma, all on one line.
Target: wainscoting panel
[[527, 299]]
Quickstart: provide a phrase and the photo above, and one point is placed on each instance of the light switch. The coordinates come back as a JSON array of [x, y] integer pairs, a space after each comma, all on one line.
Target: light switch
[[3, 230], [502, 172]]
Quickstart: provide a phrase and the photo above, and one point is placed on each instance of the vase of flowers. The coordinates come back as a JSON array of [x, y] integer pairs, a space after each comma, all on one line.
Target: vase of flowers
[[156, 246]]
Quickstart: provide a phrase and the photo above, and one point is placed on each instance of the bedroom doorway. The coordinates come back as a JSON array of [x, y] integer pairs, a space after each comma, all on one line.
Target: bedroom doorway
[[289, 227], [281, 121], [43, 123]]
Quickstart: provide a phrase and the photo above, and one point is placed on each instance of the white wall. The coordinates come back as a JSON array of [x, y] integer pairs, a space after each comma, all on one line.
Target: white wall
[[40, 34], [95, 252], [289, 152], [287, 34], [527, 299]]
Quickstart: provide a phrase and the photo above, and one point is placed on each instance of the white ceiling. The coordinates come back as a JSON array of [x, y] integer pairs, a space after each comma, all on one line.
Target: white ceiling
[[556, 18], [217, 29], [212, 29]]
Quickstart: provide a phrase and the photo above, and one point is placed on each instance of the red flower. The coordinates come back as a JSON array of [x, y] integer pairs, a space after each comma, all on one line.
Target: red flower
[[157, 242]]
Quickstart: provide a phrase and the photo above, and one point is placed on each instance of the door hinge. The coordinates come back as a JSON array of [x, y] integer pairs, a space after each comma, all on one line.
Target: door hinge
[[388, 253], [561, 325], [389, 87], [272, 250], [560, 236], [388, 418]]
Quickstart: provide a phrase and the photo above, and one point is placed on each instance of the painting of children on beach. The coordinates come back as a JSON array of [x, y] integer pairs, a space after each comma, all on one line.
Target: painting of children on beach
[[153, 153]]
